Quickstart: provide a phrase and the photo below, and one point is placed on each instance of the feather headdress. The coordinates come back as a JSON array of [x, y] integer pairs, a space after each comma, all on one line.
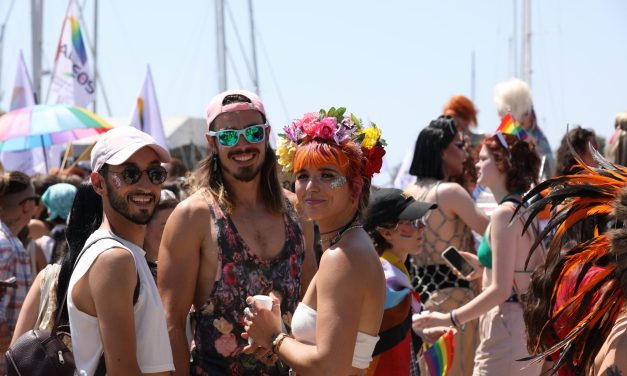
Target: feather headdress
[[587, 296]]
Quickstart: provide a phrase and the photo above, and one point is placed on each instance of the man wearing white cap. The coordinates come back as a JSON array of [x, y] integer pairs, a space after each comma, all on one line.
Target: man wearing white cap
[[233, 238], [113, 304]]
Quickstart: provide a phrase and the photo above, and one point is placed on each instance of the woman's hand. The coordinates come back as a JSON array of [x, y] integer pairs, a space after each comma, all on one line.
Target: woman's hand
[[474, 261], [261, 324], [430, 335], [430, 320]]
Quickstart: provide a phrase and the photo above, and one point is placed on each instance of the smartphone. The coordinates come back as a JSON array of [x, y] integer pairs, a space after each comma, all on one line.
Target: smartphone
[[11, 282], [455, 260]]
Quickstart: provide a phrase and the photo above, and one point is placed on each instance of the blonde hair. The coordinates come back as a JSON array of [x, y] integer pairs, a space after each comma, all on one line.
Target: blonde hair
[[512, 96], [621, 121]]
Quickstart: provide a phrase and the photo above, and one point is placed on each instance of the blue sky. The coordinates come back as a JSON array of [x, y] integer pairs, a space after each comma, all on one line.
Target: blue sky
[[395, 62]]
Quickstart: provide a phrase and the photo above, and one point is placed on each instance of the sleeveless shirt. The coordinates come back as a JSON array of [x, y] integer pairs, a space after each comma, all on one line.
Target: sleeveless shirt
[[219, 323]]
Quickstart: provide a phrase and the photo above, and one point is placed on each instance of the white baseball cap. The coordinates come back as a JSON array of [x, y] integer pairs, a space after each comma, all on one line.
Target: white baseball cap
[[117, 145]]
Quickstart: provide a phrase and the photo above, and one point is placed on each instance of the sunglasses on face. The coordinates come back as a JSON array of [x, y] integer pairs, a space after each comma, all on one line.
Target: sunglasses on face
[[34, 198], [131, 174], [230, 137], [415, 224]]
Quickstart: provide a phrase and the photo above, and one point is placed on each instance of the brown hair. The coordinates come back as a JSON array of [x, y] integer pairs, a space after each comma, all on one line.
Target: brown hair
[[519, 162]]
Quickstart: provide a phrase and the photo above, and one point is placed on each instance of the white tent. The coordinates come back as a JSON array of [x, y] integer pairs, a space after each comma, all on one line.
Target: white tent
[[185, 137]]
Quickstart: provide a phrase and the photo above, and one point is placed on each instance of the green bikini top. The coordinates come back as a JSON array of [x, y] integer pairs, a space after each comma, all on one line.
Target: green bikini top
[[484, 252]]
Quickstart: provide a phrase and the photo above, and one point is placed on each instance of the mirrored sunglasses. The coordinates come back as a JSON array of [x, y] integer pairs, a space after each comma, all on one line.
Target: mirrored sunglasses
[[131, 174], [230, 137], [415, 224]]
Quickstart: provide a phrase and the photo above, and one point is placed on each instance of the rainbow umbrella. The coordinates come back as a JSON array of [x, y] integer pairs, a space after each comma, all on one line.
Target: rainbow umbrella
[[44, 125]]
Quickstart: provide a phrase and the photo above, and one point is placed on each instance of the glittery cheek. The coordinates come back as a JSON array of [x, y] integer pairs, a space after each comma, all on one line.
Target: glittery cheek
[[117, 182], [338, 182]]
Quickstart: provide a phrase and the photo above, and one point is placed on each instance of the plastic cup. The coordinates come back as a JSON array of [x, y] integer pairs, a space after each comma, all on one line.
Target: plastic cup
[[263, 301]]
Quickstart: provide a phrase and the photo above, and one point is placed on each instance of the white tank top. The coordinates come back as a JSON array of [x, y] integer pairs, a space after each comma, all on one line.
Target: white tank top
[[153, 344], [304, 330]]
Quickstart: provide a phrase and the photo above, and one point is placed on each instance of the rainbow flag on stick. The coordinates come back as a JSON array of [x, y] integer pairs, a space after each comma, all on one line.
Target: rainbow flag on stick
[[509, 125], [439, 357]]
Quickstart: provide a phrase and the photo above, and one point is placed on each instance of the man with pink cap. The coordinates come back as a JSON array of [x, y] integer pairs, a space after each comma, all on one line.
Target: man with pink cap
[[237, 236]]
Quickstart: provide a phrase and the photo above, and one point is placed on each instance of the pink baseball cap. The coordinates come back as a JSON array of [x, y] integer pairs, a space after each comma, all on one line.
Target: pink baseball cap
[[119, 144], [216, 107]]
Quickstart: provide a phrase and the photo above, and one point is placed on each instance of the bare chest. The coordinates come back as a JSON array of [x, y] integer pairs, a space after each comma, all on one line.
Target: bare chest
[[264, 235]]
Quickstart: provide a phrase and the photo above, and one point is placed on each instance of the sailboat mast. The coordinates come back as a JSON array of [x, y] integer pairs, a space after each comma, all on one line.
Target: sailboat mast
[[221, 45], [253, 48], [37, 41], [95, 53], [526, 43]]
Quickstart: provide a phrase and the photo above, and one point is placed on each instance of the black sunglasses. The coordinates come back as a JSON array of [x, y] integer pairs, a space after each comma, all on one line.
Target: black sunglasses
[[131, 174], [34, 198]]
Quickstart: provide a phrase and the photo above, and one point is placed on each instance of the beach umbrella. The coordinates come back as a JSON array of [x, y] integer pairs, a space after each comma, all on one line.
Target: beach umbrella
[[43, 125]]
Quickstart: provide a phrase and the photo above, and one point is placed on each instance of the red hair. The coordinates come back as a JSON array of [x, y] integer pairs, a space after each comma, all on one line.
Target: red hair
[[460, 106], [346, 157]]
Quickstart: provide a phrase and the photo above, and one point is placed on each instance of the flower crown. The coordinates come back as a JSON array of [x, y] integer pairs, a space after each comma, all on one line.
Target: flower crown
[[332, 127]]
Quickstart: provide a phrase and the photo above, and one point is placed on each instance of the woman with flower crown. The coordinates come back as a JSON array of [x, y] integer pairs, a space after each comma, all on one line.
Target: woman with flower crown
[[508, 165], [334, 328]]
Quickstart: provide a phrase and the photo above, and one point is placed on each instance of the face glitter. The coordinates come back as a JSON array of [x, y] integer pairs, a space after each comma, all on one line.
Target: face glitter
[[338, 182], [116, 180]]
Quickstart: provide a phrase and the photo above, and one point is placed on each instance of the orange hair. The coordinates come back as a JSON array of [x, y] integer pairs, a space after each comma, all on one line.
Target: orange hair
[[460, 106]]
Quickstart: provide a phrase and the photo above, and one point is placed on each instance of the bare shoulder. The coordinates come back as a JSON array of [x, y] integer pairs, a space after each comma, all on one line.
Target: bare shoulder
[[450, 190], [503, 212], [115, 259], [353, 251], [194, 206]]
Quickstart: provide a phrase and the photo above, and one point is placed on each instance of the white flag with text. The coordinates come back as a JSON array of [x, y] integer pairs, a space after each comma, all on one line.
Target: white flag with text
[[72, 78], [147, 116]]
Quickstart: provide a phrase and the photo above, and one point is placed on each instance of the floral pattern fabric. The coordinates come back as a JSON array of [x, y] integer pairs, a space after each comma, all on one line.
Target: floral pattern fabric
[[219, 323]]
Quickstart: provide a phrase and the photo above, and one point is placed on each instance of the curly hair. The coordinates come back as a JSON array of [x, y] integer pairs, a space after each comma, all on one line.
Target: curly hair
[[520, 161], [427, 162], [347, 158], [578, 138]]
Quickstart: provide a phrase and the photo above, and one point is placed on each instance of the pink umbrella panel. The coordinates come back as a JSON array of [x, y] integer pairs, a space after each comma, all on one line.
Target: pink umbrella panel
[[45, 125]]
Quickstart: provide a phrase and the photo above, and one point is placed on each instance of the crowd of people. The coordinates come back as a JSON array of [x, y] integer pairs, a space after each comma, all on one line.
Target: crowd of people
[[289, 261]]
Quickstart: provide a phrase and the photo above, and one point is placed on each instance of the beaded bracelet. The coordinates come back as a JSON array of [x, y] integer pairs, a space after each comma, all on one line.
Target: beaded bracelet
[[277, 341]]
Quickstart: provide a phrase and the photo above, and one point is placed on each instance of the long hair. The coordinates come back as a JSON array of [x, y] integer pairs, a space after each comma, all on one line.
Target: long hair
[[578, 138], [85, 217], [210, 173], [427, 162]]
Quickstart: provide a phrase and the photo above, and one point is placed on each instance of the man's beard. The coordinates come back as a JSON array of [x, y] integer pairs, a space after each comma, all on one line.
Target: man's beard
[[120, 205], [245, 174]]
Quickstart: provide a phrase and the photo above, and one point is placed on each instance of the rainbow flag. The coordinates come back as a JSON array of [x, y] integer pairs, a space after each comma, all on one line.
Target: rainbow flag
[[439, 357], [509, 125]]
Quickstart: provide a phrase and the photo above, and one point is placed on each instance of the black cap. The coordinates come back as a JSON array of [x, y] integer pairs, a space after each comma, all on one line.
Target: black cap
[[391, 204]]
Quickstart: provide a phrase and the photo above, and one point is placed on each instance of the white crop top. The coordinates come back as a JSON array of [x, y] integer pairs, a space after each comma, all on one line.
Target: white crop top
[[304, 330]]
